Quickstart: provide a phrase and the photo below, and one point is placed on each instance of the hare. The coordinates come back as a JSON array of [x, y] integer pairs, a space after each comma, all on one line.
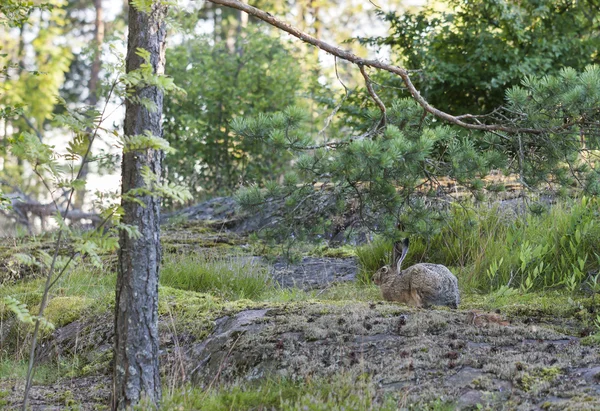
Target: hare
[[419, 285]]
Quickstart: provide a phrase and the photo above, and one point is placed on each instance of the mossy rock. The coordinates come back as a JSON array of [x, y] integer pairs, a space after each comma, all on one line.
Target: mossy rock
[[61, 311]]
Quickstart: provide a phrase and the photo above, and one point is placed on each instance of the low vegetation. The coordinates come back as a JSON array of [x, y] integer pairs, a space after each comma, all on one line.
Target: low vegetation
[[531, 246]]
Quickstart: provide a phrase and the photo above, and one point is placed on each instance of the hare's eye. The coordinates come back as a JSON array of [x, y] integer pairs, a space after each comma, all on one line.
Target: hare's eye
[[385, 269]]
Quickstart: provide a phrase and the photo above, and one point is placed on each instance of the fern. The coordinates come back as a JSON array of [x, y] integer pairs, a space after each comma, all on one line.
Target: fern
[[23, 314]]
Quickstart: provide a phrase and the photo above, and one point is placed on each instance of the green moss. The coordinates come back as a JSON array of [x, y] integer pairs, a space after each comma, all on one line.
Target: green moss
[[537, 304], [324, 250], [97, 363], [528, 381], [61, 311], [591, 340], [3, 395], [197, 234], [66, 398], [194, 312]]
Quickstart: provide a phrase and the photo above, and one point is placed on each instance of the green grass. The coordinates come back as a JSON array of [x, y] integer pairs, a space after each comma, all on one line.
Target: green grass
[[44, 373], [371, 257], [489, 248], [342, 392], [351, 291], [232, 278]]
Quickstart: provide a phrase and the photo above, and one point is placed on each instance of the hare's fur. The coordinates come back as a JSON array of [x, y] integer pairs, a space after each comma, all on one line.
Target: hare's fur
[[419, 285]]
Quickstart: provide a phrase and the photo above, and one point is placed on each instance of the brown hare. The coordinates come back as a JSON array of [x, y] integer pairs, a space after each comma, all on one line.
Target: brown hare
[[419, 285]]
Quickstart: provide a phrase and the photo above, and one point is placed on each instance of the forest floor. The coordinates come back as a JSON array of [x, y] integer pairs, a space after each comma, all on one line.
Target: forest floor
[[309, 337]]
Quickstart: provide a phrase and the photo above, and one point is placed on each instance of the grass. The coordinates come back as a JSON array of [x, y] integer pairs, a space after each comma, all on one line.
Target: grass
[[371, 257], [86, 286], [490, 248], [343, 392], [232, 278], [11, 369]]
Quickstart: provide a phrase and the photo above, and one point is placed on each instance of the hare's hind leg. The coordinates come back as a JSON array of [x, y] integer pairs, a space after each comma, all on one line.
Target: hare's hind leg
[[415, 298], [411, 298]]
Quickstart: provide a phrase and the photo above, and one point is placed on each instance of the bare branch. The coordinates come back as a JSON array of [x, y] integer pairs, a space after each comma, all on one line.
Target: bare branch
[[353, 58]]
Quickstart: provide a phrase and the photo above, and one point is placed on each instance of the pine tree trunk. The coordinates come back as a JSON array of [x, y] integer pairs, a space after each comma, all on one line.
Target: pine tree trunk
[[136, 370]]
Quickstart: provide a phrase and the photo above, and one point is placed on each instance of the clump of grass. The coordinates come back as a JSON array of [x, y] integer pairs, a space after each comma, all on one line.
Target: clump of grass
[[231, 278], [371, 257], [84, 282]]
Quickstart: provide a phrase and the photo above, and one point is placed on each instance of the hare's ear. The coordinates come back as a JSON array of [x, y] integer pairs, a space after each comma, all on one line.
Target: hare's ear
[[400, 250]]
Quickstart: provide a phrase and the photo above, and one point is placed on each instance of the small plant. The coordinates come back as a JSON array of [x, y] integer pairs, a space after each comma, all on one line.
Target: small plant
[[492, 272], [23, 314]]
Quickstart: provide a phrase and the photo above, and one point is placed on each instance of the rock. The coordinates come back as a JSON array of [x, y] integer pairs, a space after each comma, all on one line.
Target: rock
[[470, 400], [314, 272], [211, 357], [215, 209], [435, 354]]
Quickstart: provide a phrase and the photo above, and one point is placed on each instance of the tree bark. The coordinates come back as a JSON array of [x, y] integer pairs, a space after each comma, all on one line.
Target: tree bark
[[136, 370]]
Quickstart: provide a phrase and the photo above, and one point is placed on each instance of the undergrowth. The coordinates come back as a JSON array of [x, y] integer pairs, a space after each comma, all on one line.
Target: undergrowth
[[490, 248]]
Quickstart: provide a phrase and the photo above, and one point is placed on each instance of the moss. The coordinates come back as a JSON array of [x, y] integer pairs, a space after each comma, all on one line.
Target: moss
[[198, 234], [64, 310], [194, 313], [324, 250], [591, 340], [565, 313], [66, 398], [98, 363], [528, 381]]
